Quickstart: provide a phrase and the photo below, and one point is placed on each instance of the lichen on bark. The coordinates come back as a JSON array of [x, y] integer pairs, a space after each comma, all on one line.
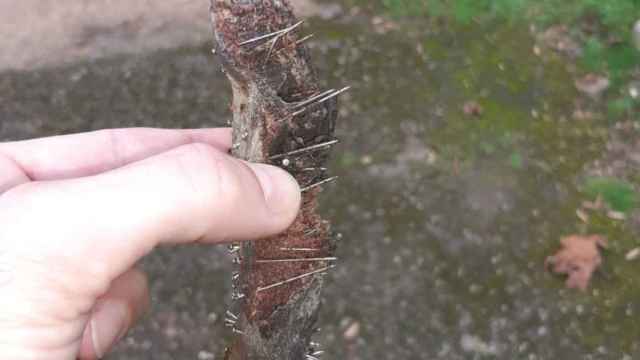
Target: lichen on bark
[[278, 112]]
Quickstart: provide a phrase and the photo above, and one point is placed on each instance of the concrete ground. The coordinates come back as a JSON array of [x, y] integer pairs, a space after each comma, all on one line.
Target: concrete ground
[[37, 33]]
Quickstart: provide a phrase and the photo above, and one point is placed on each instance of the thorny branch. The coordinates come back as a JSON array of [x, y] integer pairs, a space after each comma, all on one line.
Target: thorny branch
[[282, 117]]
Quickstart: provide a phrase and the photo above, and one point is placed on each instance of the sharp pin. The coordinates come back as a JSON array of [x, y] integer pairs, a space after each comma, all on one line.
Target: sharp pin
[[311, 357], [334, 94], [298, 112], [315, 169], [305, 38], [267, 261], [299, 42], [239, 332], [312, 186], [318, 353], [232, 315], [280, 283], [314, 98], [299, 249], [275, 33], [311, 232], [273, 45], [229, 323], [303, 150]]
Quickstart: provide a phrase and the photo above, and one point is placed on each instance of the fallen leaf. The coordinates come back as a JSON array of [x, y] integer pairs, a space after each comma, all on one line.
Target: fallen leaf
[[472, 108], [592, 84], [594, 205], [352, 331], [582, 215], [578, 258], [633, 254], [616, 215]]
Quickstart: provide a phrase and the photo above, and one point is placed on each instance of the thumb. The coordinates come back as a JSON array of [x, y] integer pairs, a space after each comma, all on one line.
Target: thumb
[[115, 313]]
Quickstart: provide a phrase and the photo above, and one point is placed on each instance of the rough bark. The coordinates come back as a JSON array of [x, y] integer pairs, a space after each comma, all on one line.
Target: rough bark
[[275, 114]]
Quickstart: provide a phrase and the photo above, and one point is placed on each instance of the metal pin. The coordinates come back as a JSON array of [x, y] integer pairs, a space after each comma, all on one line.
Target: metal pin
[[275, 33], [314, 169], [312, 186], [240, 332], [314, 344], [233, 248], [311, 232], [299, 42], [298, 112], [237, 296], [318, 353], [280, 283], [235, 277], [306, 149], [314, 98], [305, 39], [273, 45], [232, 315], [311, 357], [236, 260], [299, 249], [296, 260], [334, 94]]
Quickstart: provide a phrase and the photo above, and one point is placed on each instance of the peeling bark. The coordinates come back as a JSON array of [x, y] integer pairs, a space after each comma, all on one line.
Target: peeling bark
[[279, 118]]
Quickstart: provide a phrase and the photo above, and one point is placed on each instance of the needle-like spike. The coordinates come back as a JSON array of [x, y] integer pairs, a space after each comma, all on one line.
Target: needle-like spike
[[270, 35], [306, 149], [347, 88], [311, 232], [305, 39], [232, 315], [314, 169], [300, 249], [314, 98], [237, 296], [312, 186], [290, 280], [267, 261]]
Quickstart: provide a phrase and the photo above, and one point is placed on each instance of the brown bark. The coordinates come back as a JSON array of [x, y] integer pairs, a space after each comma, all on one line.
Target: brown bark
[[274, 114]]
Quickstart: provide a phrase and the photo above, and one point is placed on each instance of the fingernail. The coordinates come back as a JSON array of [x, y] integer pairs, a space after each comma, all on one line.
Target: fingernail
[[109, 323], [281, 190]]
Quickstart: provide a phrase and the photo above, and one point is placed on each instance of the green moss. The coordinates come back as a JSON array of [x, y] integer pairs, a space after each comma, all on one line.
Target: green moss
[[613, 19], [618, 194]]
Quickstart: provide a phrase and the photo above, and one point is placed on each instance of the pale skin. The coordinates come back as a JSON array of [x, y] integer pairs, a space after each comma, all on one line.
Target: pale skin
[[77, 213]]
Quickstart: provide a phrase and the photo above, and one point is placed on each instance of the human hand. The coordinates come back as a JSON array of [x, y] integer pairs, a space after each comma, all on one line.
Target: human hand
[[77, 212]]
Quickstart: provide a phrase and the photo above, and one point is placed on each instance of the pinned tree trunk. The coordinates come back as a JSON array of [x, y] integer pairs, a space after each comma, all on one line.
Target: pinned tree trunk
[[281, 117]]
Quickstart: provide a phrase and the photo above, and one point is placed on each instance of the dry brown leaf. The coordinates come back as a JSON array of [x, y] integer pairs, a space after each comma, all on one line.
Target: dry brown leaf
[[472, 108], [579, 257]]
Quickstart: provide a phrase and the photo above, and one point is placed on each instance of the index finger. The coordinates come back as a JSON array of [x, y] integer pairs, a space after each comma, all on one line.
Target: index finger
[[86, 154]]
